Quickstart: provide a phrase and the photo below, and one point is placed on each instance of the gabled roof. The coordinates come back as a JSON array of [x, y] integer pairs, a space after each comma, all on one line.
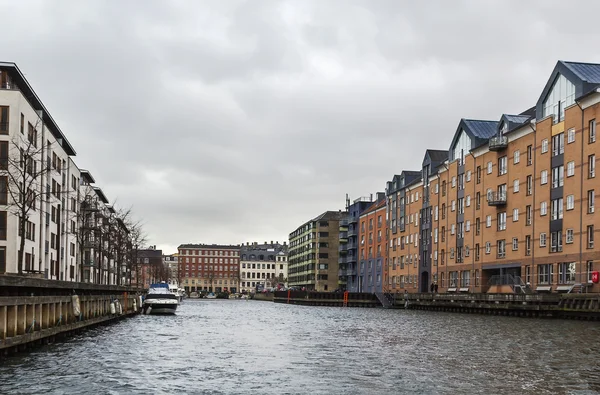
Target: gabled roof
[[437, 155], [516, 118], [374, 207], [585, 77], [588, 72], [513, 121], [479, 131]]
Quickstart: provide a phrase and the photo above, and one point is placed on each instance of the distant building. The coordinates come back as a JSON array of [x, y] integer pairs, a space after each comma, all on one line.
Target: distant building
[[313, 253], [262, 264], [172, 264], [209, 268], [348, 259], [372, 236], [149, 268]]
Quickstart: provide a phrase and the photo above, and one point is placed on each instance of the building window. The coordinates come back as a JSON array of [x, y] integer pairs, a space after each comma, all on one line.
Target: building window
[[543, 208], [477, 252], [502, 221], [489, 168], [478, 200], [570, 168], [3, 190], [515, 214], [3, 225], [544, 146], [590, 236], [592, 132], [501, 248], [477, 226], [544, 273], [529, 155], [558, 144], [515, 244], [544, 177], [556, 241], [558, 175], [478, 174], [591, 166], [570, 202], [529, 185], [569, 238], [502, 165], [453, 181], [468, 175], [528, 215], [556, 209], [4, 114], [591, 201], [488, 247], [542, 239], [468, 200], [516, 157], [589, 267], [570, 136], [467, 226], [516, 186], [488, 221], [3, 155], [566, 273], [527, 245]]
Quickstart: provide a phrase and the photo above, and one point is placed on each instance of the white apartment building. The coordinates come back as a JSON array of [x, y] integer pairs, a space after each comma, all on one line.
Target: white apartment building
[[38, 177], [262, 264]]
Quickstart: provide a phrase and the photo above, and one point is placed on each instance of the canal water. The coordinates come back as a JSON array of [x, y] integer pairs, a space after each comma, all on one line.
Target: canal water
[[252, 347]]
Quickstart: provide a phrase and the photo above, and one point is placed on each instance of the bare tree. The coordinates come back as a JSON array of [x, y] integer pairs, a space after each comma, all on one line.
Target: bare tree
[[25, 170]]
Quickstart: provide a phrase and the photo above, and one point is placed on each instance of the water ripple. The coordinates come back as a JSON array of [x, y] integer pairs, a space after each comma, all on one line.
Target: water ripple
[[239, 347]]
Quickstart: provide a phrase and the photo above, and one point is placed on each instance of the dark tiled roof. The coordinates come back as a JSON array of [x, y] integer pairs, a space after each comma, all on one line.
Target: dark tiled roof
[[588, 72], [517, 118], [374, 207], [332, 215], [437, 155], [482, 129]]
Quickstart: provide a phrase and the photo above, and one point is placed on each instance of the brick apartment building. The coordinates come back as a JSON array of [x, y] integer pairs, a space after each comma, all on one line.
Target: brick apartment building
[[510, 206], [209, 267], [373, 247]]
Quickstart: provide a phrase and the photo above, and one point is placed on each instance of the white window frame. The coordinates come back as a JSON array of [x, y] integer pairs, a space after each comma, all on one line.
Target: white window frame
[[488, 221], [516, 186], [544, 177], [571, 168], [569, 236], [570, 202], [543, 239], [468, 200], [515, 214], [515, 244], [490, 166], [543, 208], [516, 157], [570, 136], [544, 146]]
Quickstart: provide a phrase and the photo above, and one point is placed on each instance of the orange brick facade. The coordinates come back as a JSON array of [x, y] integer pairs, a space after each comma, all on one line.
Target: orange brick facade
[[518, 208]]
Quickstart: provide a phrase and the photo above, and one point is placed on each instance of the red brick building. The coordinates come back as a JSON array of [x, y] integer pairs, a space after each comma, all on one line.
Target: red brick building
[[209, 268]]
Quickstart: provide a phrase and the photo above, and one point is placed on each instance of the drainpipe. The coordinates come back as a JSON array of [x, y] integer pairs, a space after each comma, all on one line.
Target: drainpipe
[[533, 152], [473, 210], [581, 205]]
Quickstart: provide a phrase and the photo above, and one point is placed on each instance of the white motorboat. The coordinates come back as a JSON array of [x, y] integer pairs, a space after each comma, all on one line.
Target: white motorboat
[[160, 300], [211, 296]]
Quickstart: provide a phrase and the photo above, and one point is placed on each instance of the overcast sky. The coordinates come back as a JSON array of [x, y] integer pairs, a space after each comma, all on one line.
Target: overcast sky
[[234, 121]]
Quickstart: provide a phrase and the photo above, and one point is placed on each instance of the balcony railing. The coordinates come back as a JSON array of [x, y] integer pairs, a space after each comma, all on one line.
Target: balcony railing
[[352, 220], [496, 198], [498, 143]]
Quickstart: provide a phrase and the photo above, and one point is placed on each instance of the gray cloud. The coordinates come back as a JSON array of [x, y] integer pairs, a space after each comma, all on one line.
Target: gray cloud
[[232, 121]]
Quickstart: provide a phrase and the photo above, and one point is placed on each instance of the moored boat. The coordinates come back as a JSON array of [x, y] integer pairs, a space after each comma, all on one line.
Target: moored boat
[[160, 300]]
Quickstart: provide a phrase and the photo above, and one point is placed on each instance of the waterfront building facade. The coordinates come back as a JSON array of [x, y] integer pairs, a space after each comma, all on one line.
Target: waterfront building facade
[[511, 208], [41, 184], [348, 257], [209, 267], [314, 253], [149, 268], [262, 264], [172, 264], [373, 252]]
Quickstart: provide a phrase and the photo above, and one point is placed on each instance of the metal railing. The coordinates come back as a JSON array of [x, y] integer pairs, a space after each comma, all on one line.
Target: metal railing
[[515, 282], [498, 143], [496, 198]]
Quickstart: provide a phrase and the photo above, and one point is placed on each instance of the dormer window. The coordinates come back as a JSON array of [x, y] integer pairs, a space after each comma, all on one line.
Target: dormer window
[[561, 96], [503, 128]]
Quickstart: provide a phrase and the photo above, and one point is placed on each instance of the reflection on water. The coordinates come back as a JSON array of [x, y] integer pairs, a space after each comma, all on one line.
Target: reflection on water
[[249, 347]]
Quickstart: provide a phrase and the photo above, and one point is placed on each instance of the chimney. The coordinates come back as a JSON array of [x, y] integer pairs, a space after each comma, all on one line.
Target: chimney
[[271, 242]]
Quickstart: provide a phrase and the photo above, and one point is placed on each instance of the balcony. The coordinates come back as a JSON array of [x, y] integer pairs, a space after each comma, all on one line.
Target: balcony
[[498, 143], [343, 223], [352, 232], [88, 262], [352, 220], [343, 236], [342, 260], [496, 198]]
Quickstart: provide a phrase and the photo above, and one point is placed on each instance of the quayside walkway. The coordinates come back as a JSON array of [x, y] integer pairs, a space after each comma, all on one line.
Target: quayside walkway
[[577, 306], [36, 311]]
